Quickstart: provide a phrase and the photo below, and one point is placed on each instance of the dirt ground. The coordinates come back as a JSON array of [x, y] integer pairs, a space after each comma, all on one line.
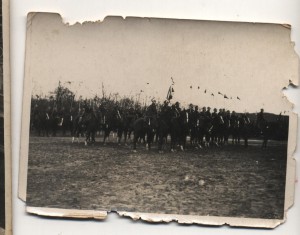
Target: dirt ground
[[221, 181]]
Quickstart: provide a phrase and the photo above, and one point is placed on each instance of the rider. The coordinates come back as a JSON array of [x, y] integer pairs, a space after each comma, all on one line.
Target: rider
[[176, 109], [260, 119], [165, 110], [151, 111]]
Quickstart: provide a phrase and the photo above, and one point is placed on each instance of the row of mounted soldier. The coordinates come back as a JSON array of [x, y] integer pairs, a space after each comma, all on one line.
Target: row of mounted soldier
[[158, 123]]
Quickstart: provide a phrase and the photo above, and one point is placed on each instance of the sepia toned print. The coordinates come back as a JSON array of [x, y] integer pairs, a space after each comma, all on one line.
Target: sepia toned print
[[5, 161], [160, 116], [2, 172]]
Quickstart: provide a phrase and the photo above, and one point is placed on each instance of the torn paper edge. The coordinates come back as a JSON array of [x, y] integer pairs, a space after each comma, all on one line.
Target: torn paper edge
[[56, 212], [7, 115], [192, 219], [150, 217]]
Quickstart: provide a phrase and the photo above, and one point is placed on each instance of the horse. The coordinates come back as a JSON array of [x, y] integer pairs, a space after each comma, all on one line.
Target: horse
[[179, 129], [208, 130], [244, 128], [200, 129], [108, 123], [227, 128], [266, 131], [66, 123], [89, 121], [235, 130], [128, 122], [78, 127], [220, 129], [41, 123], [144, 127], [163, 127]]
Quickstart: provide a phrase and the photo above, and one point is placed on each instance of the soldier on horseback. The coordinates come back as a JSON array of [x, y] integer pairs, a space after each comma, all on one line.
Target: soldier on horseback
[[192, 116], [263, 127], [244, 127], [195, 126], [235, 128], [215, 123], [260, 120], [221, 125], [227, 126], [151, 112]]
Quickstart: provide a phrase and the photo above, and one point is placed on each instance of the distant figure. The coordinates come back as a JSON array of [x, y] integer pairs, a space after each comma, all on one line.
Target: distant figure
[[244, 127], [260, 120], [151, 112], [264, 128], [176, 110]]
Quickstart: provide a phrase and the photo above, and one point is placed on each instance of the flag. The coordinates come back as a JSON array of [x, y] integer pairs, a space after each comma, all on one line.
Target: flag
[[238, 98], [172, 81], [170, 93]]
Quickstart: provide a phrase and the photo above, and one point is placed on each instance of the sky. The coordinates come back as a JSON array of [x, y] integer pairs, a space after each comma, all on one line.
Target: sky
[[137, 57]]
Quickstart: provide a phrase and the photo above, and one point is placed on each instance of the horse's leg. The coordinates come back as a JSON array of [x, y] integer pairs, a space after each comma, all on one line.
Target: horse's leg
[[144, 138], [183, 140], [202, 137], [234, 137], [74, 133], [207, 137], [125, 135], [93, 136], [150, 138], [193, 138], [87, 137], [135, 138], [106, 135], [73, 137], [159, 141], [128, 135], [225, 136], [119, 137], [173, 141]]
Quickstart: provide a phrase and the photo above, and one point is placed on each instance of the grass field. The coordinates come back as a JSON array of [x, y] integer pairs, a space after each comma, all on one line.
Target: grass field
[[219, 181]]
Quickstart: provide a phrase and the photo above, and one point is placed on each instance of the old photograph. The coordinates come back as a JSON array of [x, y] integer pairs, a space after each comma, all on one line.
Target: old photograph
[[163, 116], [2, 172], [5, 177]]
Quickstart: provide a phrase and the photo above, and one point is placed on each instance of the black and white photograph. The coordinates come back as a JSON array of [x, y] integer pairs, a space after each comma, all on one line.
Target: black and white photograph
[[163, 116], [2, 173], [3, 158]]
